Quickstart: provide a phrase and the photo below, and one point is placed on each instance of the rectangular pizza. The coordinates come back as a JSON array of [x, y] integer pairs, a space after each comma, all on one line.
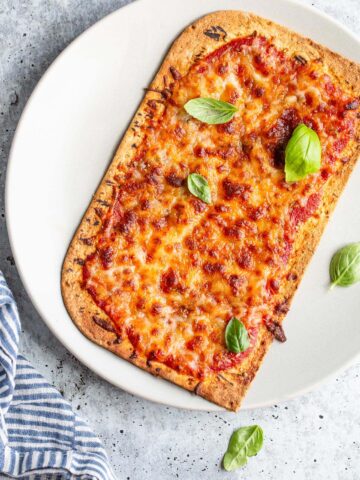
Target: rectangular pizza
[[191, 250]]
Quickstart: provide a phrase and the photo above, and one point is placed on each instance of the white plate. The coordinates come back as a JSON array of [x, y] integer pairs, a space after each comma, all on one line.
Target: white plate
[[66, 138]]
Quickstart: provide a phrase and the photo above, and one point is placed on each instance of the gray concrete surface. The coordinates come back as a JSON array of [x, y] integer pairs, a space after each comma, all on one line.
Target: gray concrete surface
[[316, 436]]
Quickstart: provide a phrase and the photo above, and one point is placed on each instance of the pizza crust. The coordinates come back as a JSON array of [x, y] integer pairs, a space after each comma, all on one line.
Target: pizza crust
[[227, 388]]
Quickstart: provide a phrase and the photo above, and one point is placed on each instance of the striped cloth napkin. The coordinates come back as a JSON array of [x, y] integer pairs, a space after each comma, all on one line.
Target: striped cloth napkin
[[40, 435]]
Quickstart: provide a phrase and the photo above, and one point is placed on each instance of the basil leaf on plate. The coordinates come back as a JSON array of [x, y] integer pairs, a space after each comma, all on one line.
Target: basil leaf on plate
[[244, 442], [199, 187], [209, 110], [302, 154], [345, 266], [236, 336]]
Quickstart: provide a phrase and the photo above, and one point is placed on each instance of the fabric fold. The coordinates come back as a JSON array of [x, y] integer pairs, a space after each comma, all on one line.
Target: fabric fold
[[40, 435]]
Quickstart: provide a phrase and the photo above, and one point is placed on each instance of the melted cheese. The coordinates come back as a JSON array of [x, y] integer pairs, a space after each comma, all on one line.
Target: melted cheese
[[169, 270]]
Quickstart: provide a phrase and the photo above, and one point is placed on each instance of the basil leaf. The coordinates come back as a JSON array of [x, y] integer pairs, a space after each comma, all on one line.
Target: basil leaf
[[199, 187], [302, 154], [209, 110], [245, 442], [236, 336], [345, 266]]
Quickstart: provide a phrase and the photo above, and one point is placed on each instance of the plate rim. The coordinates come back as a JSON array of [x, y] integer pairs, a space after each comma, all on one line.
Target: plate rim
[[209, 407]]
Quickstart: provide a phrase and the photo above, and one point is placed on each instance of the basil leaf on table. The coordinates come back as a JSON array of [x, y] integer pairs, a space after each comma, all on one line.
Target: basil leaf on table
[[302, 154], [244, 442], [345, 266], [209, 110], [199, 187], [236, 336]]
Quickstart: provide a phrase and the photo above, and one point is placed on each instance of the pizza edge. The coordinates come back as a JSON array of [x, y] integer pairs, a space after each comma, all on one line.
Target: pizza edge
[[227, 388]]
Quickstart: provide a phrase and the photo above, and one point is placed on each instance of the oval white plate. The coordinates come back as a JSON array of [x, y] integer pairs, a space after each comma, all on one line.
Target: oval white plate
[[64, 141]]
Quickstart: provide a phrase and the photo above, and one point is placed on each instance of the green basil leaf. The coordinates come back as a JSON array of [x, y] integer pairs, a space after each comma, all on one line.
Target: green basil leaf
[[209, 110], [244, 442], [199, 187], [302, 154], [345, 266], [236, 336]]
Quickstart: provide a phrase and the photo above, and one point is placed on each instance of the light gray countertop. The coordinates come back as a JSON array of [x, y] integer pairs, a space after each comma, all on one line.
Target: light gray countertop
[[316, 436]]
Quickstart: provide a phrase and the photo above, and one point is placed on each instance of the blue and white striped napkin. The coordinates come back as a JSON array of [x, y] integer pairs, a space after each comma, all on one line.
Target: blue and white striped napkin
[[40, 435]]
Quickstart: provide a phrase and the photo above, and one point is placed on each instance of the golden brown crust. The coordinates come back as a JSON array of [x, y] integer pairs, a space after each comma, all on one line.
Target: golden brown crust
[[226, 389]]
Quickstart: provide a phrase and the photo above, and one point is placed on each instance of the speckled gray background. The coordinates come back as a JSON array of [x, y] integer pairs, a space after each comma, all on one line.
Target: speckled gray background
[[316, 436]]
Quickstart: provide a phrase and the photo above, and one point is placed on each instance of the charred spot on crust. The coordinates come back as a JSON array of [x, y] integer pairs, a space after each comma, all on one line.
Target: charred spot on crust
[[100, 322], [175, 73], [300, 59], [197, 386], [216, 33], [213, 35], [103, 203], [291, 276], [282, 308], [79, 261], [165, 92], [199, 55], [152, 105], [276, 329], [99, 212], [87, 241], [224, 379]]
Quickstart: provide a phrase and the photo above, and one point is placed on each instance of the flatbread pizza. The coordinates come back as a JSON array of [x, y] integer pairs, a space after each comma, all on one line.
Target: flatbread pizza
[[192, 248]]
